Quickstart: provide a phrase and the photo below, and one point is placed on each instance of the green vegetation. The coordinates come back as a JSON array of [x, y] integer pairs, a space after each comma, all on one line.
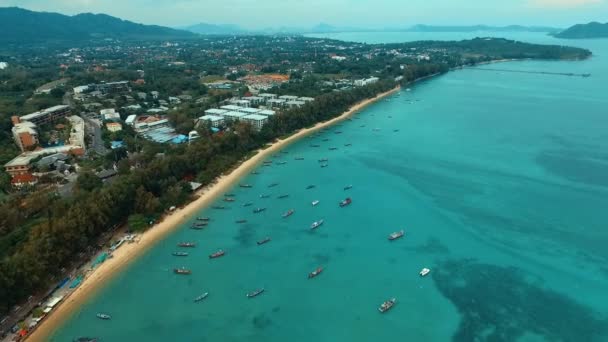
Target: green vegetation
[[581, 31], [20, 25]]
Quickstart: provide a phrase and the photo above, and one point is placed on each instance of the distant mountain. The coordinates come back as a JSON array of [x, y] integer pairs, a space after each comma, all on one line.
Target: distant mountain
[[210, 29], [590, 30], [474, 28], [20, 25]]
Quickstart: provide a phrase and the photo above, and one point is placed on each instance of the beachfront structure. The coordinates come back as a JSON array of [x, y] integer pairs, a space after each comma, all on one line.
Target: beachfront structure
[[276, 103], [25, 135], [109, 114], [44, 116], [215, 111], [256, 120], [294, 104], [240, 103], [366, 81], [266, 112], [215, 120]]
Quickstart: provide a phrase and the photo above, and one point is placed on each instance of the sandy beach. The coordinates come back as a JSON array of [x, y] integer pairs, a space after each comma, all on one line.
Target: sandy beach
[[129, 252]]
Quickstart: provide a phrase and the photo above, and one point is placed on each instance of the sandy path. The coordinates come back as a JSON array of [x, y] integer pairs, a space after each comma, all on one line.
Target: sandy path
[[129, 252]]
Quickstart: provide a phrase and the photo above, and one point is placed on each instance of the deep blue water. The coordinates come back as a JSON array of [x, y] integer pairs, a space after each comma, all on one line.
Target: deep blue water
[[499, 179]]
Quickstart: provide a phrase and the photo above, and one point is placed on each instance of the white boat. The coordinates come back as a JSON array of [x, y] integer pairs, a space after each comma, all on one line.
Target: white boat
[[201, 297], [316, 224], [424, 272], [315, 202]]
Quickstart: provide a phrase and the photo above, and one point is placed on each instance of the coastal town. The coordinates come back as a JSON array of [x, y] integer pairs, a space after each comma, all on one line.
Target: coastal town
[[123, 135]]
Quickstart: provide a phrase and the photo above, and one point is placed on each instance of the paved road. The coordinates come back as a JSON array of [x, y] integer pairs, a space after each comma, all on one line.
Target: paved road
[[94, 129]]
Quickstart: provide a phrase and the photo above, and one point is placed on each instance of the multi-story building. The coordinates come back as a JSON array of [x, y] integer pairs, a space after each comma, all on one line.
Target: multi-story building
[[45, 115], [215, 120], [25, 135], [256, 120]]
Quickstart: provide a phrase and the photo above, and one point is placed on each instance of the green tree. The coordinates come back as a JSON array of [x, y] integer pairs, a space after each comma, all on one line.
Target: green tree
[[87, 181]]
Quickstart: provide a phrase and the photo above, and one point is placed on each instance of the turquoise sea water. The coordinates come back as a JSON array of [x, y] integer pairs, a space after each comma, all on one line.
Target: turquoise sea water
[[499, 179]]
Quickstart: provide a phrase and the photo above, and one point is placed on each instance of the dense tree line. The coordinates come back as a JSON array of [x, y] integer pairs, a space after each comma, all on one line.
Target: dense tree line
[[67, 227]]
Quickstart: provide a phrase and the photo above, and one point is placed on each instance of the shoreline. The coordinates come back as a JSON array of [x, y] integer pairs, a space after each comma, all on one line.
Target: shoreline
[[128, 253]]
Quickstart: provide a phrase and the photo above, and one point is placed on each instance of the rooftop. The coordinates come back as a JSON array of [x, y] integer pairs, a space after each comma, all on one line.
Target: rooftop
[[43, 112], [255, 117]]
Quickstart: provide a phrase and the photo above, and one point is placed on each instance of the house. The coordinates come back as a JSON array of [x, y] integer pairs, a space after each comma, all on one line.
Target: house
[[256, 120], [114, 126], [306, 99], [193, 135], [142, 95], [25, 179], [154, 94], [174, 100], [109, 114], [52, 159], [130, 119], [106, 174]]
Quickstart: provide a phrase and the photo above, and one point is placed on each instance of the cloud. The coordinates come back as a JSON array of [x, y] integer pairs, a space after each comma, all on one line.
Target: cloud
[[562, 4]]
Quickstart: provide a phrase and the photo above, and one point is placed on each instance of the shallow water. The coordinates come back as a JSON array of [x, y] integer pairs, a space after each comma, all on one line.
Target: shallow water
[[499, 179]]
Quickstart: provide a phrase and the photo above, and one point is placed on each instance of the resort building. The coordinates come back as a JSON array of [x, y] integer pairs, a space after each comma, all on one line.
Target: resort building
[[249, 110], [235, 116], [294, 104], [231, 108], [276, 103], [45, 115], [215, 120], [25, 135], [267, 97], [215, 111], [364, 82], [21, 164], [256, 120], [240, 103], [266, 112], [255, 100], [288, 97]]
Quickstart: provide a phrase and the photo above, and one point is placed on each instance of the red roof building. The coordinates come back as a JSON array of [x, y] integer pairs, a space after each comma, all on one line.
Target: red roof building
[[24, 179]]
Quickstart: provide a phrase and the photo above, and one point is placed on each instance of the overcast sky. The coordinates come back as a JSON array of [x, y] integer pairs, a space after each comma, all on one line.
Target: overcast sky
[[305, 13]]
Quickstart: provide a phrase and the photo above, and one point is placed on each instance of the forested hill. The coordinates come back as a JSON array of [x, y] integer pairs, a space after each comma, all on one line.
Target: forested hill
[[24, 26], [580, 31]]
